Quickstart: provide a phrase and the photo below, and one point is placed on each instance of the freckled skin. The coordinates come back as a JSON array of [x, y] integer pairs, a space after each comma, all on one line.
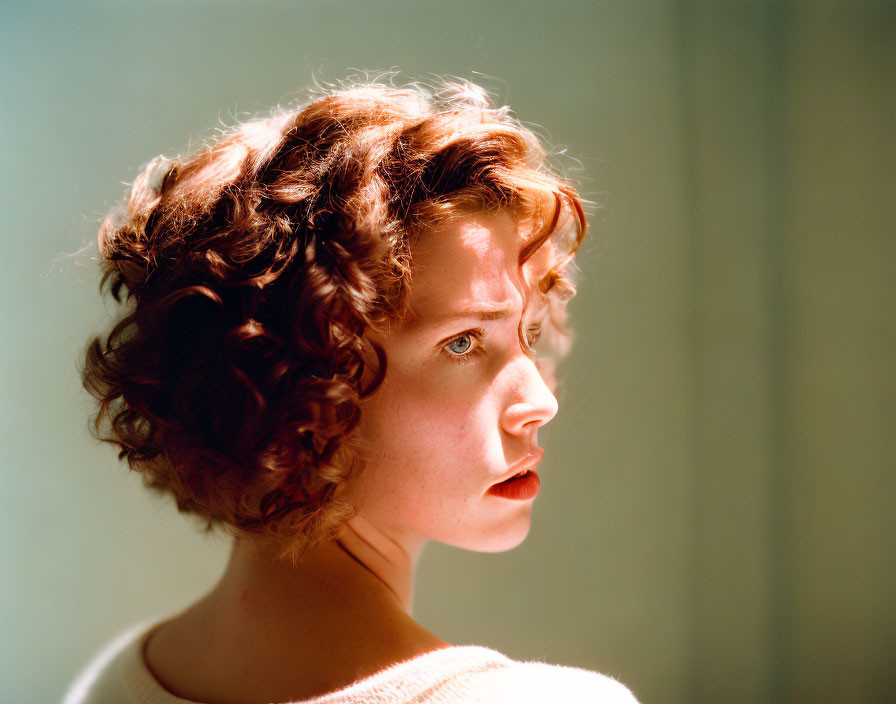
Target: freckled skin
[[443, 431]]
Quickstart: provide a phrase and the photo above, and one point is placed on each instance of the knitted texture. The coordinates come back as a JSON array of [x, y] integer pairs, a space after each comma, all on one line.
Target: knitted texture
[[467, 674]]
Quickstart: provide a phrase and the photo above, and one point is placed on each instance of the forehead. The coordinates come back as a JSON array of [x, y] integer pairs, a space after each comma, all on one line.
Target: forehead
[[473, 262]]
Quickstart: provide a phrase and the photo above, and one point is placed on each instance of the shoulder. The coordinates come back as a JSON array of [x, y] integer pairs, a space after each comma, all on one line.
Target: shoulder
[[104, 678], [536, 682], [572, 684]]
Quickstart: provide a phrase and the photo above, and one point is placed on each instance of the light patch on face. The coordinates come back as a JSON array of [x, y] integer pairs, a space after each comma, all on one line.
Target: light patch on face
[[496, 281], [442, 431]]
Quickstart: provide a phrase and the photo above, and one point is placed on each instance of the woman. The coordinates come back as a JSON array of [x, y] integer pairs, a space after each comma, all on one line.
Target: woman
[[337, 346]]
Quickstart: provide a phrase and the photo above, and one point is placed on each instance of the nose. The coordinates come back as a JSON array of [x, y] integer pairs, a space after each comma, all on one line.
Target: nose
[[534, 403]]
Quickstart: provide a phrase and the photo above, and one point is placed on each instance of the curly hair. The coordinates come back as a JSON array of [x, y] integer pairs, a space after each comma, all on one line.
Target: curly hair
[[250, 270]]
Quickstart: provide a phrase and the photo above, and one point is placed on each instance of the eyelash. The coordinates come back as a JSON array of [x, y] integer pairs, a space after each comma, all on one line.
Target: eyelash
[[467, 356], [477, 335]]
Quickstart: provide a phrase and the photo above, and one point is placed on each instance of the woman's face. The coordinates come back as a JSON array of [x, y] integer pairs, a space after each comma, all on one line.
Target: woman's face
[[461, 403]]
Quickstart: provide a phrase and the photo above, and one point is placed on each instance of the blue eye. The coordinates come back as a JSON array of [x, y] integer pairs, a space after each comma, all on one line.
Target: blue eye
[[462, 347], [459, 339]]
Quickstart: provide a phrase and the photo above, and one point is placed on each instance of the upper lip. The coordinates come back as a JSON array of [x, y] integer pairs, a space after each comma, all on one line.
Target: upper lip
[[530, 461]]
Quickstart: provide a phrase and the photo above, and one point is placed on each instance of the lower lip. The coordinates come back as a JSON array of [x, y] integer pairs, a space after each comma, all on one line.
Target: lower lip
[[519, 488]]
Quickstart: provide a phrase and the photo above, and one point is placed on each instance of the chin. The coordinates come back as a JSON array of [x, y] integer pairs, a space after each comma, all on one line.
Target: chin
[[499, 539]]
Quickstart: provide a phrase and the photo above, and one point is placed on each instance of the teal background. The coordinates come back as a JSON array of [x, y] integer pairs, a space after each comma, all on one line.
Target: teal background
[[716, 522]]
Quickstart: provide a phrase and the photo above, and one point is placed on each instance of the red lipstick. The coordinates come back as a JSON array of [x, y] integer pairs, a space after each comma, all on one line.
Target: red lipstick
[[521, 487]]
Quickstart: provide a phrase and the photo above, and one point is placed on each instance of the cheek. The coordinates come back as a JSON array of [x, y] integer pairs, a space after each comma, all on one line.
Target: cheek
[[415, 413], [416, 418]]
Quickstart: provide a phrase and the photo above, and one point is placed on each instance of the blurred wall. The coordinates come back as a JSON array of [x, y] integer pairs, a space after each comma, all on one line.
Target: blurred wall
[[716, 518]]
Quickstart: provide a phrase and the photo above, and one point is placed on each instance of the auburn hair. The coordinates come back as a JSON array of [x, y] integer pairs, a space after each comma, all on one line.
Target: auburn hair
[[249, 271]]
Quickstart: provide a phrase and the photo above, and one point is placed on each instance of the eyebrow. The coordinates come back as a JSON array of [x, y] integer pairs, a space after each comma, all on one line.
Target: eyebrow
[[497, 312]]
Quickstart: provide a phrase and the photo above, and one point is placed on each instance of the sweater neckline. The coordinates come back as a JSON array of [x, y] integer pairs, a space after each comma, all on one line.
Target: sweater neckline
[[142, 685]]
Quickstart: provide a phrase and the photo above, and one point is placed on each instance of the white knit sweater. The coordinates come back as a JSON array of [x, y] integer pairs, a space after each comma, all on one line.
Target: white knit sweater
[[467, 674]]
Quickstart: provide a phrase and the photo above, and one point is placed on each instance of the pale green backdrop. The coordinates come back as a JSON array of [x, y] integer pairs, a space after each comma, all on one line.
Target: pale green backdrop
[[716, 520]]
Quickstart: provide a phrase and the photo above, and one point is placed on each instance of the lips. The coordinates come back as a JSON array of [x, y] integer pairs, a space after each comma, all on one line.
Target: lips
[[523, 488], [529, 462]]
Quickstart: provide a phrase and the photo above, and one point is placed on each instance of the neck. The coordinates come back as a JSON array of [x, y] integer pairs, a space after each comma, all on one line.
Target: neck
[[391, 562], [343, 610], [362, 566]]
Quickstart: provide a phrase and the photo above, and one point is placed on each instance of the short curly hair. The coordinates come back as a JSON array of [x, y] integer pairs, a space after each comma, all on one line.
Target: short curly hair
[[253, 269]]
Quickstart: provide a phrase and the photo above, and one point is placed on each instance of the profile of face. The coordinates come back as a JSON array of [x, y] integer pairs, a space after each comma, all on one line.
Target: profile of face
[[461, 402]]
